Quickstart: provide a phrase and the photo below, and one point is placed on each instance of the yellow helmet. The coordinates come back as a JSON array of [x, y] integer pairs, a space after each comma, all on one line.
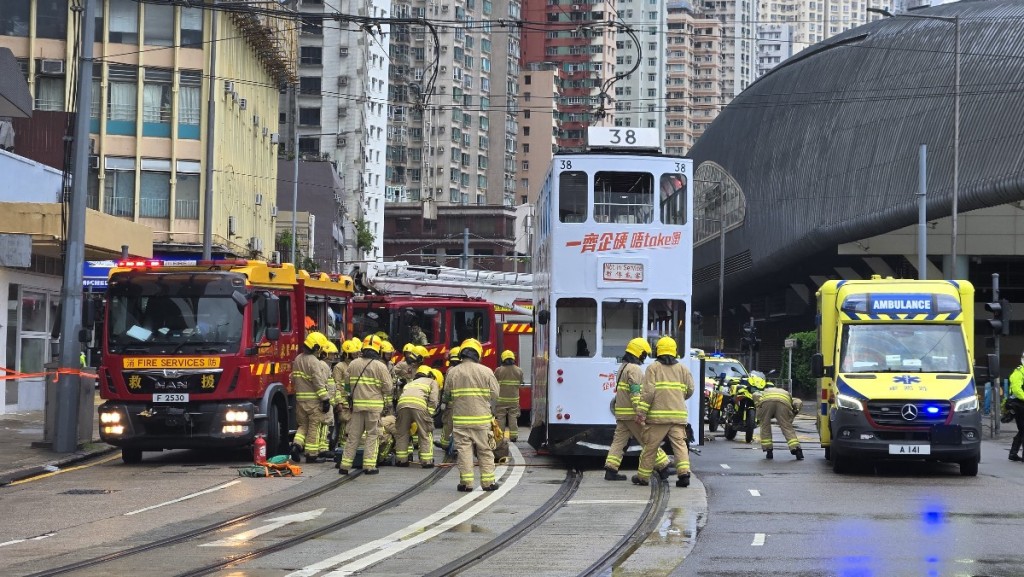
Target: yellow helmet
[[425, 371], [381, 335], [351, 346], [471, 345], [666, 346], [638, 347], [453, 354], [315, 341], [387, 348], [330, 348], [408, 347], [421, 351], [508, 355], [439, 377], [373, 343]]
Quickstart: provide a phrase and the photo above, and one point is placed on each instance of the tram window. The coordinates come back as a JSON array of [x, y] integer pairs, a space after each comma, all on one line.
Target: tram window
[[673, 199], [470, 324], [575, 327], [624, 197], [572, 196], [621, 321], [666, 317]]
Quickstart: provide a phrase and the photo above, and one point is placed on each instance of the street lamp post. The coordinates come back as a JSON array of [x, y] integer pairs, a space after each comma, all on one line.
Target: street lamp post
[[955, 21]]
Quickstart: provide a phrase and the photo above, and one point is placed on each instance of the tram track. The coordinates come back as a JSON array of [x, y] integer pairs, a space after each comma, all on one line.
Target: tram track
[[645, 525]]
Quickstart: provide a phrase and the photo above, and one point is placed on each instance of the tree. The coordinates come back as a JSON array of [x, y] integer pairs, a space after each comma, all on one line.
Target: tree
[[807, 345], [364, 238]]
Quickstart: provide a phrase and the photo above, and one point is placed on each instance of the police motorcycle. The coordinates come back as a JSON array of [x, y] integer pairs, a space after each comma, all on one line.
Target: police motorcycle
[[719, 397], [740, 413]]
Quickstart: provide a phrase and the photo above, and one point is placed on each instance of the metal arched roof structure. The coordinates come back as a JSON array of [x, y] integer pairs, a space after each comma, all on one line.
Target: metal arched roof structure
[[824, 148]]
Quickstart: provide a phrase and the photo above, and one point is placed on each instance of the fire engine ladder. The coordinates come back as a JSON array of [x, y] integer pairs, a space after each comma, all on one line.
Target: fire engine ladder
[[500, 288]]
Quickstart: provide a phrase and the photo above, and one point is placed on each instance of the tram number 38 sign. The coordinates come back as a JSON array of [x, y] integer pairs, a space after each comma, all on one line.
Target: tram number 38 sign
[[623, 272]]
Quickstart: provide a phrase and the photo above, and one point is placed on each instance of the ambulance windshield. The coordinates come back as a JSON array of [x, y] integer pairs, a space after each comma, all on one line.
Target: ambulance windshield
[[901, 348]]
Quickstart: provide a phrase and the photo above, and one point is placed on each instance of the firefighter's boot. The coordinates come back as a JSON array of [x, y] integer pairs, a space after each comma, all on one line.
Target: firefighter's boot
[[769, 454], [799, 452], [642, 482], [683, 481], [613, 475], [1014, 449]]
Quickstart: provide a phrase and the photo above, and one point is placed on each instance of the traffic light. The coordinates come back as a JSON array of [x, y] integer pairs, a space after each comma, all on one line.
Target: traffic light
[[750, 341], [1000, 321]]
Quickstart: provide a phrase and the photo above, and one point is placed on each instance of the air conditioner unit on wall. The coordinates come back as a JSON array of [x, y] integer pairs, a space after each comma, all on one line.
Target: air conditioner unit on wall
[[342, 141], [256, 244], [255, 119], [232, 226], [275, 138], [242, 103], [273, 211], [55, 67], [259, 199], [229, 86]]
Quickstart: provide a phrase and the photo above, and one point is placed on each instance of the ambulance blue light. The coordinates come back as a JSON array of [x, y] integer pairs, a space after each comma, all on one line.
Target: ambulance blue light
[[932, 410]]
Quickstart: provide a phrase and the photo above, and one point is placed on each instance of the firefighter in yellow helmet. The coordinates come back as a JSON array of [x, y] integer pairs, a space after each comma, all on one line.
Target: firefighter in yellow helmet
[[510, 377], [778, 404], [405, 369], [474, 393], [323, 448], [662, 412], [342, 396], [370, 384], [446, 402], [309, 379], [416, 405], [628, 390]]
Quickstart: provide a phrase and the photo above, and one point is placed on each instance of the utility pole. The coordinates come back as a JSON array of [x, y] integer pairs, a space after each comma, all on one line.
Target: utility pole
[[295, 171], [211, 125], [922, 213], [65, 439]]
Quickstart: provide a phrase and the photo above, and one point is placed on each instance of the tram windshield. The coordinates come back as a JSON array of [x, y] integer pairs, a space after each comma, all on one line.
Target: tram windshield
[[624, 197]]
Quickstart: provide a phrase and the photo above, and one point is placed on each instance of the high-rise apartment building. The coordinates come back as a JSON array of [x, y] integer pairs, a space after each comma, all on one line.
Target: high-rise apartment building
[[504, 114], [539, 125], [640, 96], [342, 111], [154, 89], [693, 77], [739, 20], [579, 40]]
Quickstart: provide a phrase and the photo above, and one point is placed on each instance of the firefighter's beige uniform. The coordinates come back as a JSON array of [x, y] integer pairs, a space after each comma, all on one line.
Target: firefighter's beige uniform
[[667, 385], [775, 403], [628, 388], [474, 391], [327, 421], [342, 408], [309, 379], [416, 405], [509, 378], [370, 383], [446, 401]]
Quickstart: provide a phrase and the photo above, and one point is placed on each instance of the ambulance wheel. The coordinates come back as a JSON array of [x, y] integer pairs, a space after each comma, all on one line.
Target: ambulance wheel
[[131, 456], [828, 453], [840, 464], [969, 468]]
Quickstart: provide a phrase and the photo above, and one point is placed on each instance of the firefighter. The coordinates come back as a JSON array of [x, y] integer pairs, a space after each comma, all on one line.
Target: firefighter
[[405, 369], [776, 403], [662, 412], [509, 378], [327, 423], [309, 377], [342, 409], [387, 354], [628, 389], [1015, 400], [370, 384], [446, 403], [416, 405], [474, 393]]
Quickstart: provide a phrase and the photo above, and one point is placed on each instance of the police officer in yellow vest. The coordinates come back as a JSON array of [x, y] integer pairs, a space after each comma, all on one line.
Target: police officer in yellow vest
[[309, 379], [370, 383], [509, 378], [416, 405], [628, 390], [662, 412], [775, 403], [474, 393]]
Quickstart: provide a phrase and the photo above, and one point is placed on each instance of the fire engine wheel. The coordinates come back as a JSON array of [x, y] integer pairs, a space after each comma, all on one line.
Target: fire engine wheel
[[131, 456], [275, 440]]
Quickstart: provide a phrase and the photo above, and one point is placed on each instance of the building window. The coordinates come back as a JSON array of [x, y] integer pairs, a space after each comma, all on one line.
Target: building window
[[312, 27], [119, 187], [310, 85], [157, 97], [121, 100], [52, 19], [155, 189], [191, 26], [14, 18], [157, 18], [49, 92], [312, 55], [310, 145], [309, 117], [124, 22], [189, 104], [186, 190]]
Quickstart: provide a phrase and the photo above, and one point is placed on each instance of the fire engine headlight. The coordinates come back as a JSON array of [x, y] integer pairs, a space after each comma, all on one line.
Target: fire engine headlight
[[236, 416], [111, 417], [234, 429], [114, 430], [849, 403], [968, 404]]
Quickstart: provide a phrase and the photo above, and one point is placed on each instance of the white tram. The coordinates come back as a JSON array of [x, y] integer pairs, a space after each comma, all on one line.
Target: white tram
[[613, 260]]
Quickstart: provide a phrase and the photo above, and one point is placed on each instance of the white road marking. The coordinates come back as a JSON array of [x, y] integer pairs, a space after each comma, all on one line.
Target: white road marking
[[724, 466], [607, 502], [754, 492], [185, 498], [36, 538], [275, 523], [442, 520], [758, 540]]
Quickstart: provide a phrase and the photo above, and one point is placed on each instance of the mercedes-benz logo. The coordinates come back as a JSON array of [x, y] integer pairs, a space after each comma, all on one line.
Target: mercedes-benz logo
[[909, 412]]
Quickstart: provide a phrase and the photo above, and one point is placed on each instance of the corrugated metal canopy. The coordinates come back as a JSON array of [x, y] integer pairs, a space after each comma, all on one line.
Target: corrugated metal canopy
[[15, 99], [825, 146]]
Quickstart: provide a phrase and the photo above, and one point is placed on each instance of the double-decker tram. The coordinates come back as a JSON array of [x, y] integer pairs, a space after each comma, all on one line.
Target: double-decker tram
[[613, 260]]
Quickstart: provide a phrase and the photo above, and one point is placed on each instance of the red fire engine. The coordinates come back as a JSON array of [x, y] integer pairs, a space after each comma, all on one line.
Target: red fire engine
[[200, 356]]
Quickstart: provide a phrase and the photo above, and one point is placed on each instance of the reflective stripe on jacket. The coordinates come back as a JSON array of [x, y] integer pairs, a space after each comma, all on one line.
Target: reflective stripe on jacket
[[666, 388], [421, 394], [509, 378], [370, 383], [340, 374], [309, 378], [627, 391], [474, 392]]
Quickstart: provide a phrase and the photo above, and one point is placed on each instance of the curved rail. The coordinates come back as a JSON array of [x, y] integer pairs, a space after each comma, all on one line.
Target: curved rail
[[573, 477], [653, 513]]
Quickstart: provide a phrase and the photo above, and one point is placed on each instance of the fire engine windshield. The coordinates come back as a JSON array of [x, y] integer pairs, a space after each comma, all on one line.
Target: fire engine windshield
[[918, 348], [160, 316]]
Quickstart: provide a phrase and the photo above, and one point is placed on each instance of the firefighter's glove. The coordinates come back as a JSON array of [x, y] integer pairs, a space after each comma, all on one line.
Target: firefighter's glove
[[442, 407], [325, 405]]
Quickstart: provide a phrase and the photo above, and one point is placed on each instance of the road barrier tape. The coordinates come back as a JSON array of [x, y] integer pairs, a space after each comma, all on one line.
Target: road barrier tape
[[12, 374]]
